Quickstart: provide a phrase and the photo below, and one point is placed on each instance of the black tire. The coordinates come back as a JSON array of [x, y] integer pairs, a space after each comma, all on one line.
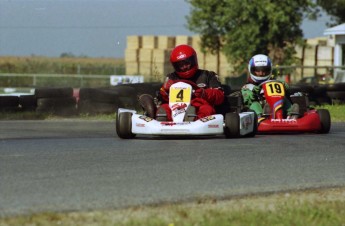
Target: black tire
[[146, 88], [232, 125], [235, 103], [63, 92], [128, 97], [124, 125], [125, 90], [28, 102], [325, 119], [59, 106], [99, 95], [93, 107], [9, 102], [336, 95]]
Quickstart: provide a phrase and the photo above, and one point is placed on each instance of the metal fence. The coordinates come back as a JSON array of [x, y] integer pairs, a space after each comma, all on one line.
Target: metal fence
[[296, 73], [53, 80], [291, 74]]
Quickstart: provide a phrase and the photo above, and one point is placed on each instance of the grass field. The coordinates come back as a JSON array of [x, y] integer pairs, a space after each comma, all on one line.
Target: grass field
[[313, 207], [61, 65]]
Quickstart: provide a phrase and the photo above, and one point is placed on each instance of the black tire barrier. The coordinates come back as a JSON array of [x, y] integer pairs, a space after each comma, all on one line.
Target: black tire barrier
[[59, 106], [60, 92], [93, 107], [337, 95], [9, 103], [144, 88], [317, 94], [104, 95], [336, 92], [294, 89], [336, 87], [129, 94], [27, 102]]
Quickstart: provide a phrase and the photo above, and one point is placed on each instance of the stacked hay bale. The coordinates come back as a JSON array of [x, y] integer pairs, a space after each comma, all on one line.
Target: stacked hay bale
[[149, 56], [134, 44]]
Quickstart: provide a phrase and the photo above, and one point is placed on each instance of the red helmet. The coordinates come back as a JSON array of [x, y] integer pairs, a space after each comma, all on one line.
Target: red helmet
[[184, 60]]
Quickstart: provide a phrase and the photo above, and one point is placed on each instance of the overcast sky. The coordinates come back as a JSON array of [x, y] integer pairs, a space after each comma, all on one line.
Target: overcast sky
[[94, 28]]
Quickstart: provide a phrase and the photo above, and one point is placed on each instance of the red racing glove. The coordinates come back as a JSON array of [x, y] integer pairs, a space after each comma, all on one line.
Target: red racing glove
[[213, 96]]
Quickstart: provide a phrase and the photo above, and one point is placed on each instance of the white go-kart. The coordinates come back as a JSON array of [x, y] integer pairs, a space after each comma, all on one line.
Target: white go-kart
[[231, 124]]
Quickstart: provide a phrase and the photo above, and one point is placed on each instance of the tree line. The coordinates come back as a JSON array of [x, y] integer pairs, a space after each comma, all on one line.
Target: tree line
[[241, 29]]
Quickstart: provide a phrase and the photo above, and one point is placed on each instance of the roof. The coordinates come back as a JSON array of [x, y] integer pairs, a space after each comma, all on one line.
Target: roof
[[337, 30]]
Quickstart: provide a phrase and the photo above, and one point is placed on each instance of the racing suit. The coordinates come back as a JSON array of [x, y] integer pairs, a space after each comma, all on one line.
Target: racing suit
[[209, 94], [250, 92]]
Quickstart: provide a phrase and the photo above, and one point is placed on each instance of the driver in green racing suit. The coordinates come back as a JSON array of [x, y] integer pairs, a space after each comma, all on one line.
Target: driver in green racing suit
[[260, 69]]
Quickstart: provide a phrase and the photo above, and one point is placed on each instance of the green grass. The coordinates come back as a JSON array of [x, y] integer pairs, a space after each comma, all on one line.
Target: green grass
[[337, 112], [315, 207]]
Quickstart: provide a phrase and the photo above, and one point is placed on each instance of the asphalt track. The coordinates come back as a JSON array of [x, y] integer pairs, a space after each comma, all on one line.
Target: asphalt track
[[82, 165]]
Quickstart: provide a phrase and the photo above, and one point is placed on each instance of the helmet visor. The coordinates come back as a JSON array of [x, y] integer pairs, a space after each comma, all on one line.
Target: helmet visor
[[261, 71], [184, 65]]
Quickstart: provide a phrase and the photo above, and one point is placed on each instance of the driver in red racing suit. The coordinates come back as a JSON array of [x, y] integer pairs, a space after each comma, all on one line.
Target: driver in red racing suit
[[209, 93]]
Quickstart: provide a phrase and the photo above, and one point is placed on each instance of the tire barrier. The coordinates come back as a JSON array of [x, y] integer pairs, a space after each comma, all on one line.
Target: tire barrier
[[58, 101], [59, 106], [98, 101], [9, 103], [317, 94], [336, 92], [27, 102], [108, 100], [59, 92], [68, 101], [91, 107]]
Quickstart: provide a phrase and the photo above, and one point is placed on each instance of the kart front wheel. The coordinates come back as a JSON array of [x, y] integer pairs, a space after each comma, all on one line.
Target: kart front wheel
[[232, 125], [325, 120], [124, 125]]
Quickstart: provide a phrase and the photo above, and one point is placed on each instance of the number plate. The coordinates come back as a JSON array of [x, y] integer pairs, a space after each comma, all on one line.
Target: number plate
[[180, 94], [274, 89]]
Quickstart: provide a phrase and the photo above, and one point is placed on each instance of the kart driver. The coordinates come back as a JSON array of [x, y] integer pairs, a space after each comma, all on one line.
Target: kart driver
[[260, 70], [209, 93]]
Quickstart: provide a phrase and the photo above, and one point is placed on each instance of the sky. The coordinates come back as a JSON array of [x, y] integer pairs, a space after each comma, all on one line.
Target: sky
[[94, 28]]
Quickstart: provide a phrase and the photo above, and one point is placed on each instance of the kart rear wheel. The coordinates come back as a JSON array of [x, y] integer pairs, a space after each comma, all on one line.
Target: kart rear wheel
[[124, 125], [325, 120], [232, 125]]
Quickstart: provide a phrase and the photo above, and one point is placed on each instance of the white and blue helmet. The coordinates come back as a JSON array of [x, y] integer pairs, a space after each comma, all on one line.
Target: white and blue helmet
[[260, 62]]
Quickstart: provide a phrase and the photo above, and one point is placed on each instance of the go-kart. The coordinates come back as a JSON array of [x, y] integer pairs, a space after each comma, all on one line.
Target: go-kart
[[129, 123], [308, 119]]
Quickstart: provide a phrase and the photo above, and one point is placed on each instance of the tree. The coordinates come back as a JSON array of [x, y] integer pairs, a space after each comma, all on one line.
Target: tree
[[335, 8], [241, 29], [67, 55]]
